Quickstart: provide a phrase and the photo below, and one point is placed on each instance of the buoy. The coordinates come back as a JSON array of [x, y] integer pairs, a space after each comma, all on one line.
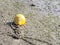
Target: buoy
[[19, 19]]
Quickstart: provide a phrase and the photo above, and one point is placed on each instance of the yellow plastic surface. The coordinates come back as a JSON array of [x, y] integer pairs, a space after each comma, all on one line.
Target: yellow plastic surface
[[19, 19]]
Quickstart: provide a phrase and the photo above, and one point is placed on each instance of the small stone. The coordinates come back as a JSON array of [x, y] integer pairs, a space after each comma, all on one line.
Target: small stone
[[2, 16], [59, 25], [32, 5]]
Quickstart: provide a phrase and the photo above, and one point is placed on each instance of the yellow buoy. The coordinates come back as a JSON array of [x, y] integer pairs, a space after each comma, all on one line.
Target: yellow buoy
[[19, 19]]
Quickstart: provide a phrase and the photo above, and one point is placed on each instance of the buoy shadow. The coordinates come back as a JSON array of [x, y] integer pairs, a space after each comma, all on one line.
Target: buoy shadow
[[16, 36]]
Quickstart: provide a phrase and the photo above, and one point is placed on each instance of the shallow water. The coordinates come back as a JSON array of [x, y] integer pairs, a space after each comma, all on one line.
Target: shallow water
[[47, 6]]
